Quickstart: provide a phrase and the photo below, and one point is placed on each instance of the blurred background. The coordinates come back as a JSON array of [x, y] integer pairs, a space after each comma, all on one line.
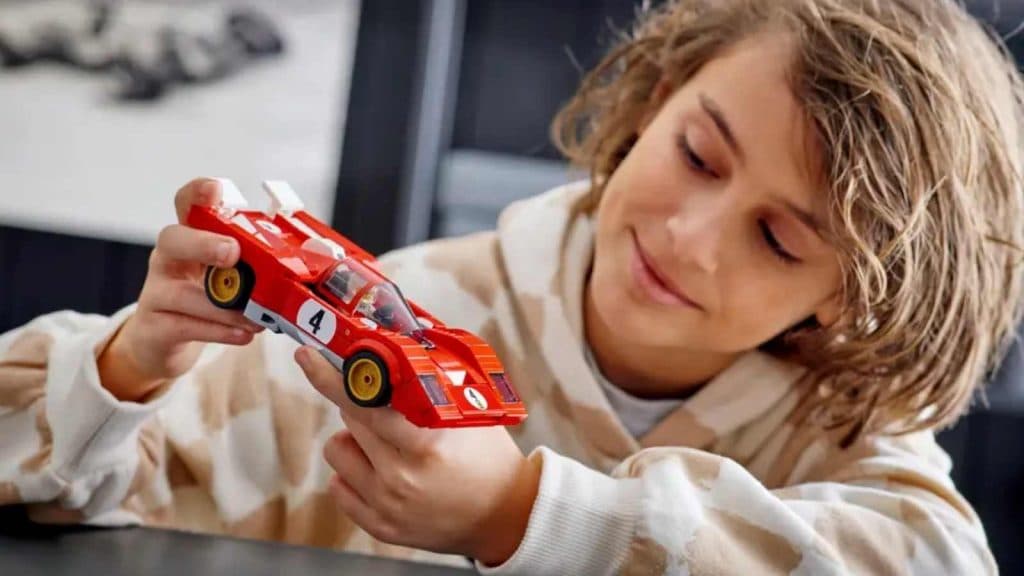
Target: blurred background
[[395, 120]]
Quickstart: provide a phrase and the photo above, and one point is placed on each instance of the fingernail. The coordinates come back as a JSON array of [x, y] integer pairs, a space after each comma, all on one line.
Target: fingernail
[[209, 190], [302, 356], [224, 252]]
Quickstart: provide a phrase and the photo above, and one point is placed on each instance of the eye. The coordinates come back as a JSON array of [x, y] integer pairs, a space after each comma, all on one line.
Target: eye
[[774, 244], [695, 161]]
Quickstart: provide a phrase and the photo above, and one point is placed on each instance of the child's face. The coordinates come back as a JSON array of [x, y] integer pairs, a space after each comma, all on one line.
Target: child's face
[[727, 226]]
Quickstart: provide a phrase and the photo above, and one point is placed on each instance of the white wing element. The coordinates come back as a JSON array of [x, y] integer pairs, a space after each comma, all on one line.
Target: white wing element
[[249, 227], [283, 198], [324, 246], [285, 201], [230, 196]]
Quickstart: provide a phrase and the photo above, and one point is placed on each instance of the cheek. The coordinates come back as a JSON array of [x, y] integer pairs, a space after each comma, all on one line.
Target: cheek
[[648, 181], [761, 304], [610, 258]]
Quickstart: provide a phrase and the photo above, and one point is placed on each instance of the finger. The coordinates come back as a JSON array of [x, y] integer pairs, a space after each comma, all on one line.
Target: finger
[[188, 298], [323, 376], [404, 436], [381, 454], [349, 502], [202, 191], [387, 424], [178, 243], [176, 328], [346, 457]]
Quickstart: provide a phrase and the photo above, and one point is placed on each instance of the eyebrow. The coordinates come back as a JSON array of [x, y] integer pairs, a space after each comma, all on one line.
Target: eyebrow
[[712, 110], [718, 118]]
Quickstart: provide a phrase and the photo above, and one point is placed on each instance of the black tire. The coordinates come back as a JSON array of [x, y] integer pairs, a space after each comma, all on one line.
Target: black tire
[[381, 397], [246, 280]]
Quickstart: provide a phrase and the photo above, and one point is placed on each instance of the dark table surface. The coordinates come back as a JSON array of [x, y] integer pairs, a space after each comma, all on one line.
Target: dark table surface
[[31, 550]]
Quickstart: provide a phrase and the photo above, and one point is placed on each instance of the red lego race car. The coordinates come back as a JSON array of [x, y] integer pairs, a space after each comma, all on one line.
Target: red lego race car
[[298, 276]]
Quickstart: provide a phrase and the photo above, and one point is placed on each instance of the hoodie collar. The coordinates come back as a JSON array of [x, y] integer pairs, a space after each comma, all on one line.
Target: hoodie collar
[[547, 244]]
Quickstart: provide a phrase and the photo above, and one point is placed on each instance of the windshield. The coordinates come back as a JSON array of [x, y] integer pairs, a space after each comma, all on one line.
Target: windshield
[[384, 305], [345, 282]]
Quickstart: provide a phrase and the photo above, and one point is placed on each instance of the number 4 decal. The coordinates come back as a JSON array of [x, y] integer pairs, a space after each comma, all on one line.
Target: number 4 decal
[[317, 320]]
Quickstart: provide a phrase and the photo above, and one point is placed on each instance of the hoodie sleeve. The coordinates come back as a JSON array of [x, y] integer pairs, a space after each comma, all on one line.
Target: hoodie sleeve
[[682, 511], [63, 437]]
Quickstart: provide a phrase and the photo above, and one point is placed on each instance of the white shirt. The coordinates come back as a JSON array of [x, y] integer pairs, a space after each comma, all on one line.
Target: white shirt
[[638, 415]]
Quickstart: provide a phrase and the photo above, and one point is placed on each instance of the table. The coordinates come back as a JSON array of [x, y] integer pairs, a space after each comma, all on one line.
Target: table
[[30, 550]]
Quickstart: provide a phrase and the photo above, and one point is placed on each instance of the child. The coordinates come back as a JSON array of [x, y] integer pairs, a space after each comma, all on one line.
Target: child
[[796, 256]]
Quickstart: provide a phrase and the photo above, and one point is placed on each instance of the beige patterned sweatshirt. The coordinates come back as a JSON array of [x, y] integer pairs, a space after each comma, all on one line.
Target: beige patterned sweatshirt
[[728, 483]]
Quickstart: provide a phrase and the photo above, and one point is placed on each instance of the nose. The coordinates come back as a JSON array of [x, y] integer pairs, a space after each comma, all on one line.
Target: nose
[[696, 231]]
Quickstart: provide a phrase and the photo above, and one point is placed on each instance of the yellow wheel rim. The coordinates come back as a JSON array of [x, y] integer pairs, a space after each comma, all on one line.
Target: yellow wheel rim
[[365, 379], [225, 284]]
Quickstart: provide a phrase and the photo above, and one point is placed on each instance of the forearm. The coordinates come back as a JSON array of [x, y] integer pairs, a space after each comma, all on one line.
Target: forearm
[[512, 516], [582, 521], [706, 513], [120, 374], [65, 437]]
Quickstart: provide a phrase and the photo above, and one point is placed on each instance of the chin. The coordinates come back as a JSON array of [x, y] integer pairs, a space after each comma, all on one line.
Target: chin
[[618, 308]]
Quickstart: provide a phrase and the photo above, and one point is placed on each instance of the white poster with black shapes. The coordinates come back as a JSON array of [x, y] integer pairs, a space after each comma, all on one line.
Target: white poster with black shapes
[[77, 159]]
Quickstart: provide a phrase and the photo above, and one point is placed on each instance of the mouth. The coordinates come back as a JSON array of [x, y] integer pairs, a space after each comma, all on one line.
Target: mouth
[[653, 283]]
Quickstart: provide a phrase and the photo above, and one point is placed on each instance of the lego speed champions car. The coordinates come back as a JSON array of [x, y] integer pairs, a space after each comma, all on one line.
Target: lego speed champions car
[[299, 277]]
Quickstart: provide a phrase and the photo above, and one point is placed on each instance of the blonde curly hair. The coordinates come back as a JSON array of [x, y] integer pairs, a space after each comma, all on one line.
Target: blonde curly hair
[[918, 112]]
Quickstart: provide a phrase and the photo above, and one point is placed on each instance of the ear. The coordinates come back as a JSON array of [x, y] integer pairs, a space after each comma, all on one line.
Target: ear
[[829, 311], [662, 90]]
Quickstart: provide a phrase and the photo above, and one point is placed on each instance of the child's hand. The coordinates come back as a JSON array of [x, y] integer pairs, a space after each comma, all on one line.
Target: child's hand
[[161, 340], [462, 491]]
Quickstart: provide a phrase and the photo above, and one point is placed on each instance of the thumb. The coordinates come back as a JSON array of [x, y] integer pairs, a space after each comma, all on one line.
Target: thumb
[[322, 375]]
